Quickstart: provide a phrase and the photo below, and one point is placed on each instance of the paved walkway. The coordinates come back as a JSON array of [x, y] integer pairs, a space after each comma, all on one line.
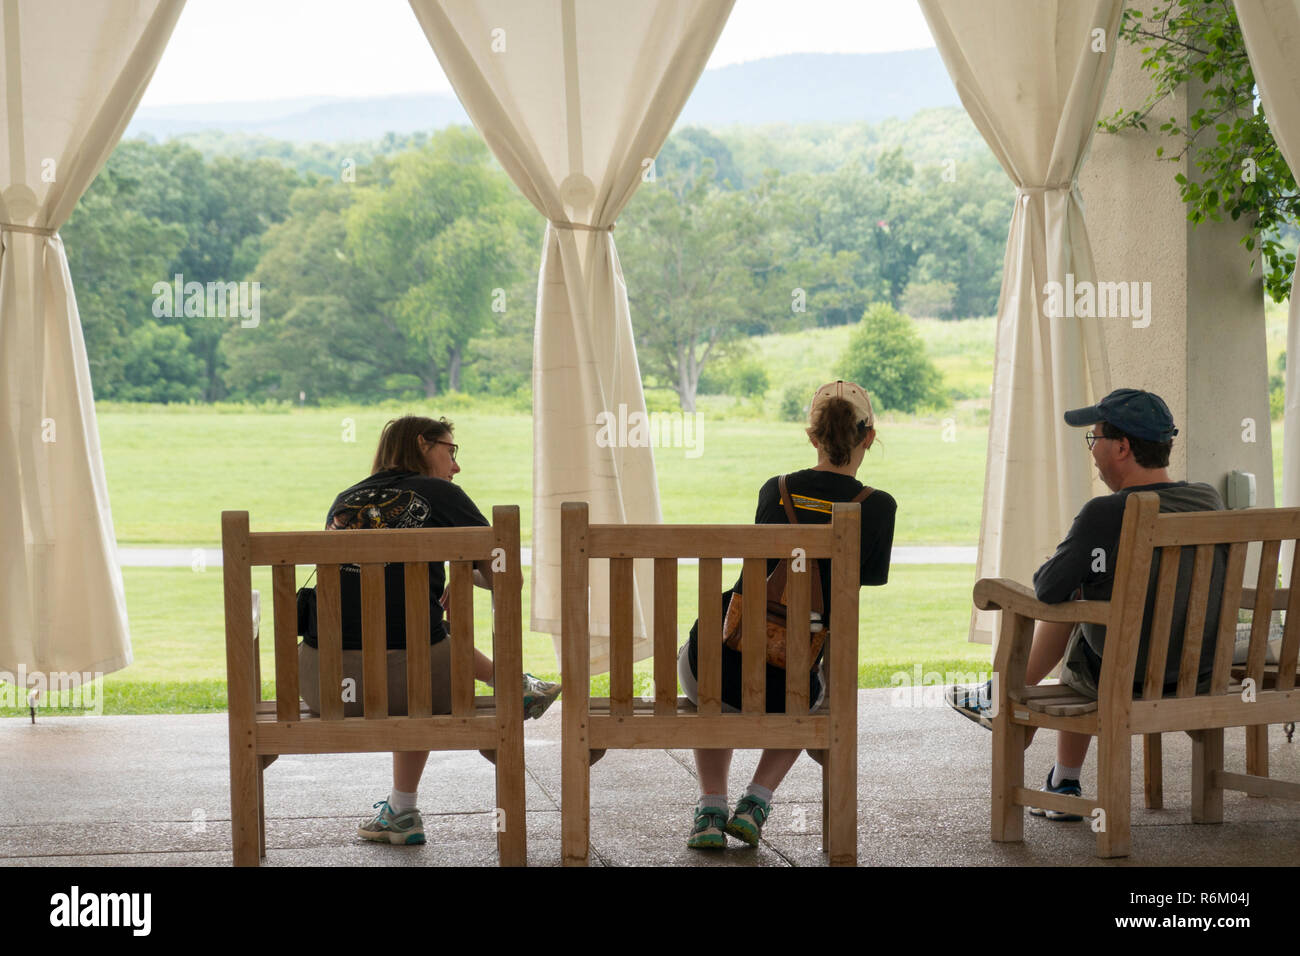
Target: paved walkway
[[153, 791], [211, 557]]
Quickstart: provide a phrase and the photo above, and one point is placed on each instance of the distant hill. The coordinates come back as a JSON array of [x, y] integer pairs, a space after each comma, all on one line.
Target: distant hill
[[798, 88]]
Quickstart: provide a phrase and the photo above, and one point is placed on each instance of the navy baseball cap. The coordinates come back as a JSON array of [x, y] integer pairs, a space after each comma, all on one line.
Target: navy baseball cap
[[1131, 410]]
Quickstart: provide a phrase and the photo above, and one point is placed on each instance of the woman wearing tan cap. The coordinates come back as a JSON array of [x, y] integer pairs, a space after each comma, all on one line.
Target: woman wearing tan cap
[[841, 429]]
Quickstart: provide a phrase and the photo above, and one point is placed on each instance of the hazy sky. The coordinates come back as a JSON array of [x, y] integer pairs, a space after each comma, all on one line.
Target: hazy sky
[[276, 49]]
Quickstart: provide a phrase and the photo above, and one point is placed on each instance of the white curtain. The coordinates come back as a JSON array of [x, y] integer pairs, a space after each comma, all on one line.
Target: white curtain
[[1271, 29], [575, 97], [73, 74], [1031, 73]]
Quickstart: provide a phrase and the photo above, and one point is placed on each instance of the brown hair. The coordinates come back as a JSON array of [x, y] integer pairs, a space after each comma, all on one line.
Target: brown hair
[[399, 442], [1148, 454], [837, 429]]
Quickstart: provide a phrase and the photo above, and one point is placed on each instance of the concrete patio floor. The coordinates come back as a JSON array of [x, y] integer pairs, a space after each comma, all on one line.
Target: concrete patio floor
[[153, 791]]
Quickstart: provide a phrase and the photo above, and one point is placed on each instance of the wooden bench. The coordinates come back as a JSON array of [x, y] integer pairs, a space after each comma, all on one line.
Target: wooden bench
[[592, 725], [261, 730], [1119, 712]]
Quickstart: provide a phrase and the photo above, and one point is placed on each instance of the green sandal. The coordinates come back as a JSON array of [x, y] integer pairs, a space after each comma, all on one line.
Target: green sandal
[[708, 833], [747, 821]]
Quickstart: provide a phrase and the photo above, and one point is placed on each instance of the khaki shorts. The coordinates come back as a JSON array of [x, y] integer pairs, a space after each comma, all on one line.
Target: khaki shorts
[[439, 675], [1076, 668]]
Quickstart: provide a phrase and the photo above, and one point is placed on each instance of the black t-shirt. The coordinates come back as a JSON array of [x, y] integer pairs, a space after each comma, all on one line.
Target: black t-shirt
[[1085, 562], [813, 492], [397, 499]]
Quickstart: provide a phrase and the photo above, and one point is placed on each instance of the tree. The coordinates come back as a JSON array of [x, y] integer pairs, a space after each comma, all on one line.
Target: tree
[[887, 357], [444, 243], [1226, 136], [115, 255], [687, 150], [699, 273]]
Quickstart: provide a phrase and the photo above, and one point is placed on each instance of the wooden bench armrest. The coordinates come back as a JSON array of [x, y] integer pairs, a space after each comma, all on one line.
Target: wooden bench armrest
[[994, 593]]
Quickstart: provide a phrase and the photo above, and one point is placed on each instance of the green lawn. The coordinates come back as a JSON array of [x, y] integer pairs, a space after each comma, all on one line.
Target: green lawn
[[171, 473]]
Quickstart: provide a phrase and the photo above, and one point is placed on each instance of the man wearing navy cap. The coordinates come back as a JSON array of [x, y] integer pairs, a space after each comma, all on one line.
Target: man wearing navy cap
[[1131, 435]]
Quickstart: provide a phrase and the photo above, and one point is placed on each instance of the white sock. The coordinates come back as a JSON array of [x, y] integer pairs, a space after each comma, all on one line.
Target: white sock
[[1060, 773], [718, 800], [755, 790], [401, 802]]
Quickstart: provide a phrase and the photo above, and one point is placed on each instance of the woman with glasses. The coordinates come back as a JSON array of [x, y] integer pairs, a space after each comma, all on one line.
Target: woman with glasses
[[841, 430], [410, 486]]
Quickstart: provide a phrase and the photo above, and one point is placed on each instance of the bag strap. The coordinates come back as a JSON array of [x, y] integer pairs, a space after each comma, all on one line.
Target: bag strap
[[866, 492], [785, 500]]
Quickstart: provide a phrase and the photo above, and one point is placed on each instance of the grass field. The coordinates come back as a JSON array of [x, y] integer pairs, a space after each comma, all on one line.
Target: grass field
[[171, 474], [172, 470]]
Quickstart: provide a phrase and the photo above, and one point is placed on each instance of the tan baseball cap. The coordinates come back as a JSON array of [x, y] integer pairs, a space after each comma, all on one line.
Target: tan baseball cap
[[855, 395]]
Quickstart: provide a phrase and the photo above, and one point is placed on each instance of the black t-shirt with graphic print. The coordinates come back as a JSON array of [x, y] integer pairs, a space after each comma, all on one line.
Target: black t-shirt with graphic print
[[397, 499]]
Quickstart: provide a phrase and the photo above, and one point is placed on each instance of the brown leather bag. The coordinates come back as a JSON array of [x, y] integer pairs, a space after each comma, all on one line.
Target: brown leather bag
[[776, 598]]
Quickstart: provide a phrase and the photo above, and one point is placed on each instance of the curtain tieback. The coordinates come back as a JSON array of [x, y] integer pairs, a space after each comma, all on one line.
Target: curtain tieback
[[565, 224], [32, 230], [1024, 192]]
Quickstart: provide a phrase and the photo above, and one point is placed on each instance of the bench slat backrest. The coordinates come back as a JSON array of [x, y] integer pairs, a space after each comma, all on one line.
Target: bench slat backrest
[[1174, 539], [708, 544], [371, 551]]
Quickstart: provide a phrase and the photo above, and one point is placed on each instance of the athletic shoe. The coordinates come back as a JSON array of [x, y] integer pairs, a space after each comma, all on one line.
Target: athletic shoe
[[1070, 788], [400, 829], [538, 696], [747, 821], [972, 701], [708, 834]]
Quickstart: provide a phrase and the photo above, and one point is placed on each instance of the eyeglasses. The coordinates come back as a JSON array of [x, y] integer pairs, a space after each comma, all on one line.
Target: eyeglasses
[[454, 447], [1092, 439]]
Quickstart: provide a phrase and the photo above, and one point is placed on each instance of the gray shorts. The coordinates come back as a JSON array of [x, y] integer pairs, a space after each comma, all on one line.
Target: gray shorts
[[439, 675], [691, 687]]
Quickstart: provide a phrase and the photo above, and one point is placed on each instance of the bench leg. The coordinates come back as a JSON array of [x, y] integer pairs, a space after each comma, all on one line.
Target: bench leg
[[1114, 793], [1207, 757], [1153, 771], [261, 811], [245, 805], [1008, 821], [512, 811], [840, 831], [826, 800], [1257, 752], [575, 796]]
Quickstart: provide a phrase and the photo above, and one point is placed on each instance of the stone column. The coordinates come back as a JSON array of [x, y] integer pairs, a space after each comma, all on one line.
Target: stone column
[[1204, 348]]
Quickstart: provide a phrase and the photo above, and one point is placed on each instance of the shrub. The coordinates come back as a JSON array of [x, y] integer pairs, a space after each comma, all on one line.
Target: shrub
[[887, 357], [795, 400]]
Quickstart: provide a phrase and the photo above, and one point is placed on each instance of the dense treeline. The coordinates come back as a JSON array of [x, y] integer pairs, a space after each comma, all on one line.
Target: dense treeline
[[242, 268]]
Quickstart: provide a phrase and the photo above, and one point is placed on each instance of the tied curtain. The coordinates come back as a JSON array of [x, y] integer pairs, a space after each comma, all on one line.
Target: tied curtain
[[1271, 29], [73, 75], [1031, 74], [575, 98]]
